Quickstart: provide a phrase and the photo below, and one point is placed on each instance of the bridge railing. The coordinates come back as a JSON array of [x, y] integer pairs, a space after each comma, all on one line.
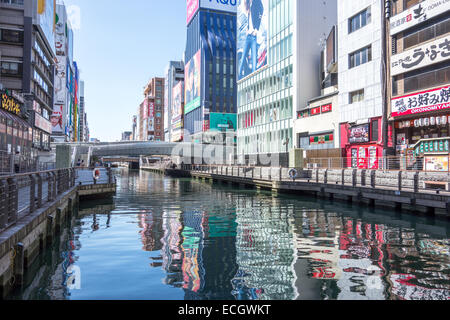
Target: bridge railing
[[23, 194]]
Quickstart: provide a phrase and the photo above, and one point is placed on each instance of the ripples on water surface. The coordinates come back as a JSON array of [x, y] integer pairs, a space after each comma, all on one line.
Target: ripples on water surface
[[178, 239]]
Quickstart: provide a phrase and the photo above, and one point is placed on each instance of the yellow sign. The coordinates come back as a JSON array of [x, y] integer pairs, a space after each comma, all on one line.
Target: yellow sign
[[10, 104]]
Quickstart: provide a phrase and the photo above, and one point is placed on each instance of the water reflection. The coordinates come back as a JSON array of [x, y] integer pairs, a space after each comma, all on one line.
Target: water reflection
[[184, 239]]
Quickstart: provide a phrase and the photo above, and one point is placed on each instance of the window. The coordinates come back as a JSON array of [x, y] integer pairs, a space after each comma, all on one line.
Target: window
[[358, 21], [12, 1], [419, 35], [428, 77], [374, 131], [11, 68], [14, 36], [360, 57], [356, 96]]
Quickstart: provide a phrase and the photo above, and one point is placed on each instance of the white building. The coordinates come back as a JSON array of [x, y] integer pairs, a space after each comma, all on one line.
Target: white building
[[360, 80], [286, 75]]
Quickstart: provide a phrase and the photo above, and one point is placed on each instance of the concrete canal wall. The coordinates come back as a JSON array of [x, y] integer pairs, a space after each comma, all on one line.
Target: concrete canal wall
[[401, 190], [22, 243]]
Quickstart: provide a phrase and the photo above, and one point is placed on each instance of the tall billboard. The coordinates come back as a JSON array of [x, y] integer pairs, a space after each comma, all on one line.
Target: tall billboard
[[46, 16], [192, 8], [177, 102], [252, 22], [192, 74]]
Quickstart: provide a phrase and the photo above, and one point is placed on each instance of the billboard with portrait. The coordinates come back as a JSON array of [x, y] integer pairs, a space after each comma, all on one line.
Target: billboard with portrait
[[46, 15], [57, 119], [192, 83], [223, 121], [177, 102], [252, 23]]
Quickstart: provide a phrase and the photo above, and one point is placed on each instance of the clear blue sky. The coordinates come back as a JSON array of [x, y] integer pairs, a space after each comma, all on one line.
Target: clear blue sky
[[121, 44]]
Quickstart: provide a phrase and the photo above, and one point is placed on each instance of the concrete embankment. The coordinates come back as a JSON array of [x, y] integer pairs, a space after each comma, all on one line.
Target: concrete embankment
[[22, 243], [400, 190]]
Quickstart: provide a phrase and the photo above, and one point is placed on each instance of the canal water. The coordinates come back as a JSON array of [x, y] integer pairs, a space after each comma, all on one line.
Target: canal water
[[173, 239]]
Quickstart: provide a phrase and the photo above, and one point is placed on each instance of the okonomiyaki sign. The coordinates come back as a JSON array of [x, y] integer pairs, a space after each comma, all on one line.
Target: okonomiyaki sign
[[431, 100]]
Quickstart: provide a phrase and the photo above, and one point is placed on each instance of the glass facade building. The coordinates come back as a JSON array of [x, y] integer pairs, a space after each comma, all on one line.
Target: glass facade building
[[284, 80], [265, 99], [213, 34]]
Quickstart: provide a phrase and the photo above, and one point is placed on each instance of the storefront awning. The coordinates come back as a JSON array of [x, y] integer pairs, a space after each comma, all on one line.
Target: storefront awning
[[14, 118]]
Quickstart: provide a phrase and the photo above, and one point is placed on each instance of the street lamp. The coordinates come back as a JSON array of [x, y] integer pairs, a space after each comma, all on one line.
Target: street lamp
[[286, 143]]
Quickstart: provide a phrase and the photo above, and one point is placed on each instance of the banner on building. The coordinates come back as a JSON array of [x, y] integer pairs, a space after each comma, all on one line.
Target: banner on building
[[177, 102], [192, 83], [57, 119], [251, 37], [192, 8], [422, 102], [422, 56], [223, 121], [419, 13], [220, 5], [359, 134], [46, 17], [42, 123]]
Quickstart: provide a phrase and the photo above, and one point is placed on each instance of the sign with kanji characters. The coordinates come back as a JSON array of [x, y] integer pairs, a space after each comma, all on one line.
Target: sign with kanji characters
[[422, 102], [425, 55], [315, 111], [419, 13], [327, 108]]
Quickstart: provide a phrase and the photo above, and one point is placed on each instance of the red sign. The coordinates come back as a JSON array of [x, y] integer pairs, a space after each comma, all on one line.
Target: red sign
[[422, 102], [327, 108], [315, 111]]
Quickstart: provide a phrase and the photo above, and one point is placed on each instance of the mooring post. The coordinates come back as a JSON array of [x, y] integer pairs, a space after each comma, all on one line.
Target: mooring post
[[19, 260]]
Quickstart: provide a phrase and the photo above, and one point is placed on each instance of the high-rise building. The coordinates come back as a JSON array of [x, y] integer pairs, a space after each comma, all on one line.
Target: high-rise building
[[360, 82], [151, 112], [126, 136], [419, 35], [278, 58], [210, 64], [27, 52], [174, 73]]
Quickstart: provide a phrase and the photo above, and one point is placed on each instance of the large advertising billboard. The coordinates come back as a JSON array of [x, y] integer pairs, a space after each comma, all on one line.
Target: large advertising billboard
[[223, 121], [177, 102], [192, 83], [252, 21], [220, 5], [57, 119], [46, 15]]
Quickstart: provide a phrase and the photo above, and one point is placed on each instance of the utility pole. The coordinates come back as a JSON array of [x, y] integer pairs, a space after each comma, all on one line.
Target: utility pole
[[385, 70]]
